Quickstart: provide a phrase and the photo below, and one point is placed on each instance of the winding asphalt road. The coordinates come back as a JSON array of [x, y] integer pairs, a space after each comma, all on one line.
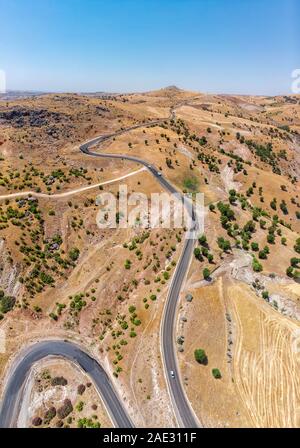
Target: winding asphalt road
[[184, 413], [183, 410], [12, 400]]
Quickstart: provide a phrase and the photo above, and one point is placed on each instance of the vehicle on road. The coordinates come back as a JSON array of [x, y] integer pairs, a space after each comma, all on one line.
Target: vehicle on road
[[172, 374]]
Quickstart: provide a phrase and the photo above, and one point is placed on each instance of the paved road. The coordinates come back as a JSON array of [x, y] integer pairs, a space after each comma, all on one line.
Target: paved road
[[184, 413], [15, 387]]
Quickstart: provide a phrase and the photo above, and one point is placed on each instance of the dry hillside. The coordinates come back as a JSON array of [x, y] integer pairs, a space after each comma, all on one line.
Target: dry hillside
[[61, 276]]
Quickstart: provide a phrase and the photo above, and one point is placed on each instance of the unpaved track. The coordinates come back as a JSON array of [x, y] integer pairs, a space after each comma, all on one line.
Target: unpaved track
[[68, 193]]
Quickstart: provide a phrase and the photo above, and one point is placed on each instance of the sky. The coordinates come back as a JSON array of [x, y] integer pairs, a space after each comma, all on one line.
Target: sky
[[214, 46]]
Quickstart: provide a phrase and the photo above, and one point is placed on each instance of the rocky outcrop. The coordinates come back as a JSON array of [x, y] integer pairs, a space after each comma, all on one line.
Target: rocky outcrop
[[9, 274]]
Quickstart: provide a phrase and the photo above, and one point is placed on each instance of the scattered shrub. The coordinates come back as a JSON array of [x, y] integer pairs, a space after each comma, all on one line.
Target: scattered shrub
[[81, 389], [200, 356], [49, 415], [59, 381], [65, 409], [37, 421], [216, 374], [206, 273]]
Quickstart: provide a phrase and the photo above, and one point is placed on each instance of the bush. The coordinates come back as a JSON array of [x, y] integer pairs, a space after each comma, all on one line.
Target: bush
[[223, 244], [80, 406], [37, 421], [197, 253], [254, 247], [74, 254], [249, 227], [202, 240], [200, 356], [273, 204], [294, 262], [297, 246], [216, 374], [271, 238], [210, 258], [49, 415], [166, 275], [262, 255], [262, 224], [257, 267], [65, 409], [206, 273], [45, 278], [6, 303], [127, 264], [81, 389], [59, 381], [226, 211], [87, 423]]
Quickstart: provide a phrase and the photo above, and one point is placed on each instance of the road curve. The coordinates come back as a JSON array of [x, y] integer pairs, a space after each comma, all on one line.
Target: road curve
[[12, 399], [183, 410]]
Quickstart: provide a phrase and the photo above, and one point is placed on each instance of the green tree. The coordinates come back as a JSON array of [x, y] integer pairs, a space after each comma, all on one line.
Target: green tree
[[223, 244], [206, 273], [210, 258], [200, 356], [262, 255], [265, 295], [297, 246], [216, 374], [197, 253], [294, 262]]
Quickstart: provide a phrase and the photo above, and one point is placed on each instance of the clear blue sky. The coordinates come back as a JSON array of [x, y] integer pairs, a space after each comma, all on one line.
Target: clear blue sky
[[230, 46]]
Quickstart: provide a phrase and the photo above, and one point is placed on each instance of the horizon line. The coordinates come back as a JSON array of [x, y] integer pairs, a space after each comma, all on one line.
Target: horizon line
[[91, 92]]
